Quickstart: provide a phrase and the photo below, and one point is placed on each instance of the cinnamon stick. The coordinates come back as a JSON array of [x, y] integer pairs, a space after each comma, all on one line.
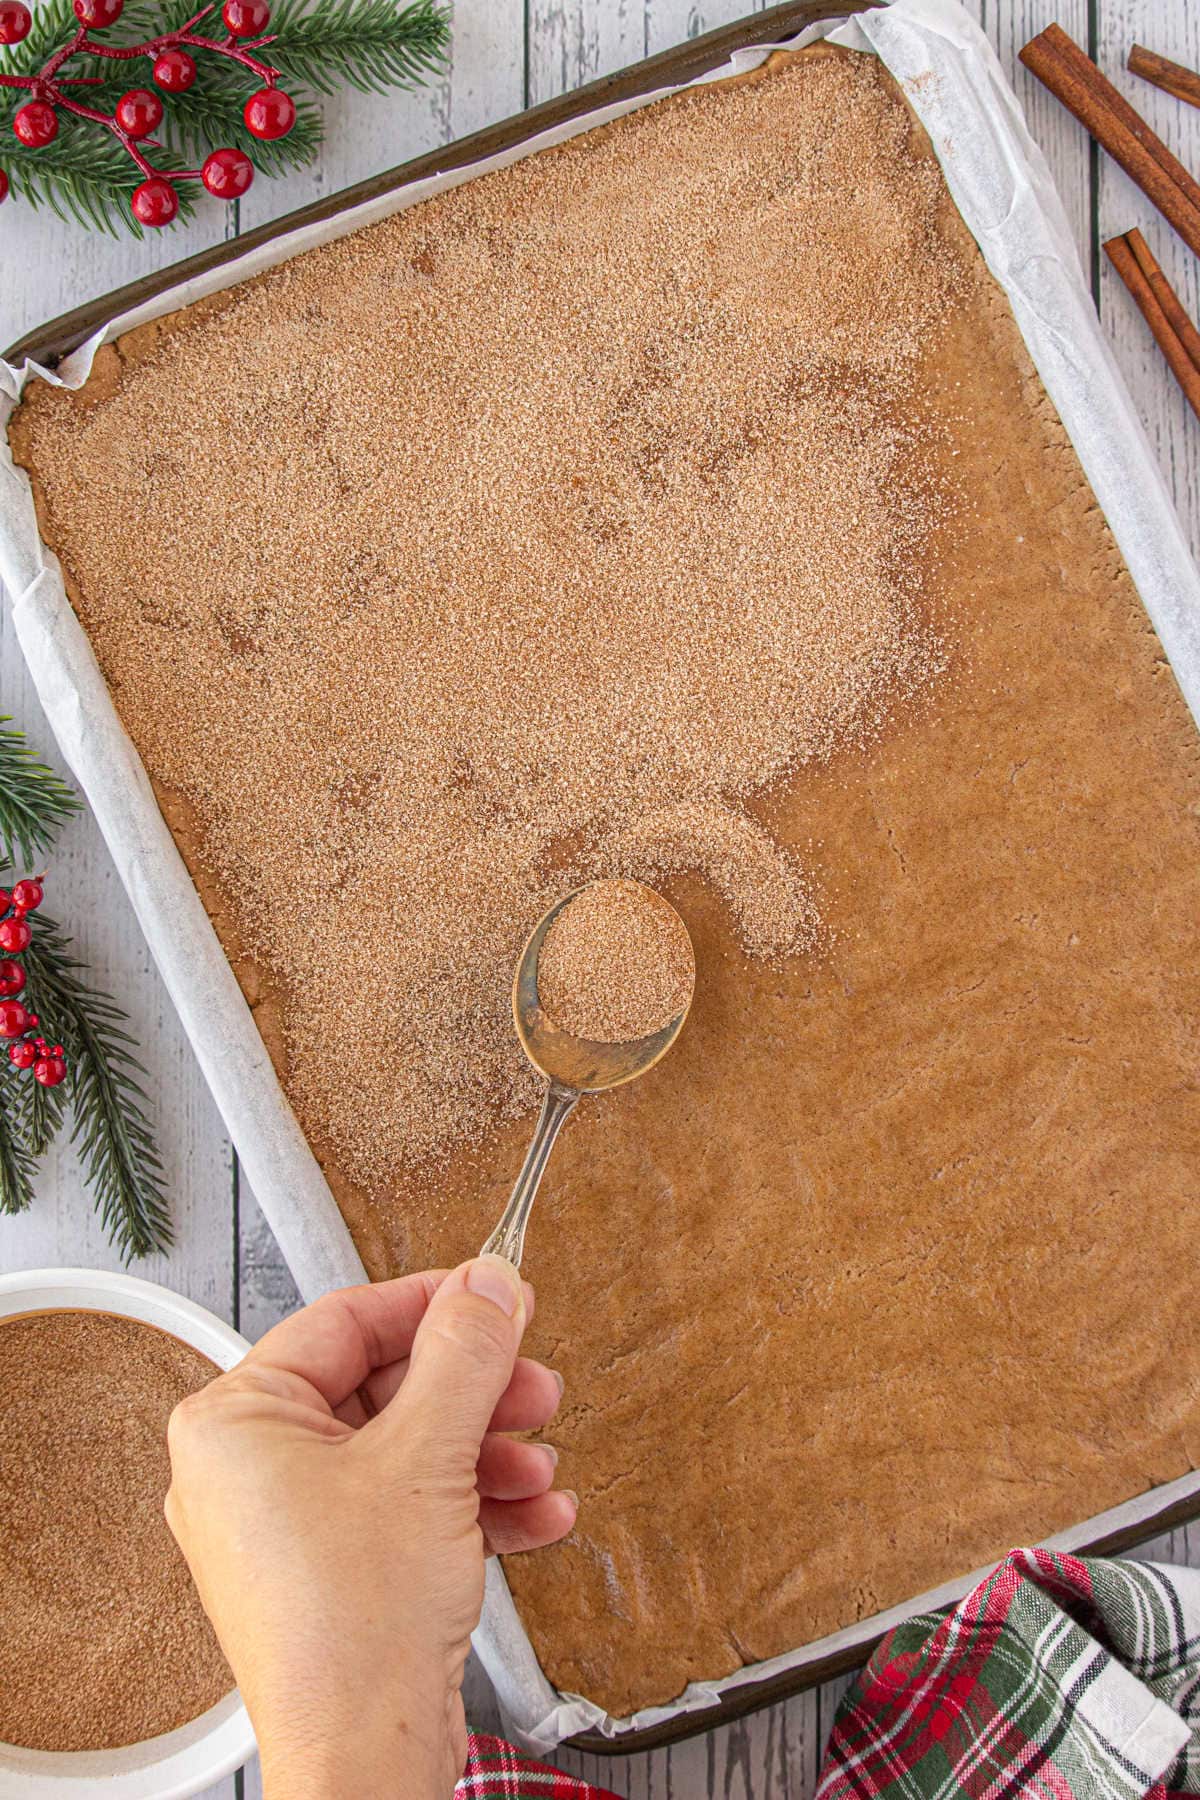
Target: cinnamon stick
[[1172, 77], [1164, 293], [1184, 370], [1125, 115], [1075, 80]]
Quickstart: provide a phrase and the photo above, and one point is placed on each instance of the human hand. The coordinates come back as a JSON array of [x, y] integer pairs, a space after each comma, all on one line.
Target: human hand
[[335, 1496]]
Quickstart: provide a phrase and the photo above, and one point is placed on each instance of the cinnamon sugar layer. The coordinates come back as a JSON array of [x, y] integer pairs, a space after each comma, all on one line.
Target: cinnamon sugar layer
[[103, 1640], [616, 964], [518, 539]]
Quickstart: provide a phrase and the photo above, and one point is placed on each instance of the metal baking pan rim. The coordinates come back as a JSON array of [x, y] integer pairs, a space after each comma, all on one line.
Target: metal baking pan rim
[[1109, 1533], [1156, 1511], [47, 344]]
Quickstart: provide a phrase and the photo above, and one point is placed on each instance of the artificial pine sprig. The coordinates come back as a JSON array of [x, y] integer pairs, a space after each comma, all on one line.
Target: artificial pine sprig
[[107, 1102], [65, 73], [367, 43], [17, 1165], [211, 112], [79, 178], [39, 1114], [34, 801], [53, 92], [67, 1047], [52, 23]]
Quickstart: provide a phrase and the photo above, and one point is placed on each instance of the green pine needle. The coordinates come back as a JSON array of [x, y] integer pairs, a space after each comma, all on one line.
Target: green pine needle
[[107, 1104], [37, 1111], [86, 176], [209, 115], [54, 24], [368, 43], [16, 1159], [34, 801], [109, 1123]]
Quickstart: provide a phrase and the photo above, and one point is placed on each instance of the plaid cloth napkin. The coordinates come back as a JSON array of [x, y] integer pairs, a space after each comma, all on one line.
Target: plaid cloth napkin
[[1058, 1678], [495, 1771]]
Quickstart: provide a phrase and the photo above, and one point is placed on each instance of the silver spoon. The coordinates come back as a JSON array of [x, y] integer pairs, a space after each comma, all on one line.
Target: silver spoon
[[572, 1066]]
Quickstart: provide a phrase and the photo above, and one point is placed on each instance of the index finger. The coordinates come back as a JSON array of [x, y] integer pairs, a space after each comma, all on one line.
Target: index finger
[[335, 1343]]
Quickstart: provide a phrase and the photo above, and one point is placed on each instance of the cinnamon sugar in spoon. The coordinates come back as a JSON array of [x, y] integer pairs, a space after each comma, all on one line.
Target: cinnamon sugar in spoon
[[599, 980]]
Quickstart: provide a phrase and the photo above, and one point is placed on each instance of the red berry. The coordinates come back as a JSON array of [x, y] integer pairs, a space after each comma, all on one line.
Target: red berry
[[139, 112], [246, 18], [98, 15], [5, 899], [15, 20], [227, 173], [49, 1070], [3, 185], [34, 1021], [174, 70], [14, 936], [36, 124], [27, 894], [155, 202], [22, 1054], [14, 1020], [12, 977], [269, 114]]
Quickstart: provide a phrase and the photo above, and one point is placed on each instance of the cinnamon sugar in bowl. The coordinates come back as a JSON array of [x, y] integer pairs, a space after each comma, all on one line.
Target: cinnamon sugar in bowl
[[114, 1678]]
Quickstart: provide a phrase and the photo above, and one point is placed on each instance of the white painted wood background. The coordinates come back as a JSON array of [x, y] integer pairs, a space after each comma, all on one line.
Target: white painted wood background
[[508, 54]]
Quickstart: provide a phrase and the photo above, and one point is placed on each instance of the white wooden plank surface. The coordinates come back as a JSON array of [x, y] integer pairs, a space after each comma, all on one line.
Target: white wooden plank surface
[[366, 133], [1174, 31], [85, 894], [507, 54], [47, 267]]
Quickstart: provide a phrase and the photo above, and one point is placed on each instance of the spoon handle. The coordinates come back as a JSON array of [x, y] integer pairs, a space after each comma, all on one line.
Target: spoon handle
[[508, 1239]]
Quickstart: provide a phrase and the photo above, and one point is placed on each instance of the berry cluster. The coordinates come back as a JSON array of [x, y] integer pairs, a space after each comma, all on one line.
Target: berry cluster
[[25, 1051], [269, 113]]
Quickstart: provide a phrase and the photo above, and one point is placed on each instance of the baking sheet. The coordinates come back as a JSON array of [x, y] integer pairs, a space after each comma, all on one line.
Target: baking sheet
[[1004, 192]]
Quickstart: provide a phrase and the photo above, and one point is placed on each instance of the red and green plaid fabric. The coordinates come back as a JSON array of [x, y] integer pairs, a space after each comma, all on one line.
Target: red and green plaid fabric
[[495, 1771], [1057, 1678]]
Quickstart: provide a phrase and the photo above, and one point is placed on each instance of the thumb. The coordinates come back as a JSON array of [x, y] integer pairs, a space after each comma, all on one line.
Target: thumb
[[463, 1355]]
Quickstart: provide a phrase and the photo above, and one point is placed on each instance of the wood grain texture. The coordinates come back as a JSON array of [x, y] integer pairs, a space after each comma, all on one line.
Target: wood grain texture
[[1010, 24], [509, 53], [85, 893], [1173, 30]]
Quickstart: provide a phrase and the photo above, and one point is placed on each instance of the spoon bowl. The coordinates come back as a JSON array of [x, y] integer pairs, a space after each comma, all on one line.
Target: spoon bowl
[[573, 1066], [575, 1062]]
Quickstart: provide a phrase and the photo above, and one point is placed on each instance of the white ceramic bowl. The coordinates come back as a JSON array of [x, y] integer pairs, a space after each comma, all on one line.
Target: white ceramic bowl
[[181, 1762]]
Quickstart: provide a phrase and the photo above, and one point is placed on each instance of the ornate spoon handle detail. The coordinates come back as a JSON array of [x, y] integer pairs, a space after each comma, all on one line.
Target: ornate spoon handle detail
[[508, 1239]]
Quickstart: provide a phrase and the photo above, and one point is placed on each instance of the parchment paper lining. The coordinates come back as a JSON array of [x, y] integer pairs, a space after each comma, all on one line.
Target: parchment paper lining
[[1002, 187]]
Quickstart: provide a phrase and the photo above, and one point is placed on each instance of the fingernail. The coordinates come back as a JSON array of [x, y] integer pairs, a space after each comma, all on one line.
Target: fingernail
[[573, 1497], [494, 1278], [552, 1453], [561, 1383]]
